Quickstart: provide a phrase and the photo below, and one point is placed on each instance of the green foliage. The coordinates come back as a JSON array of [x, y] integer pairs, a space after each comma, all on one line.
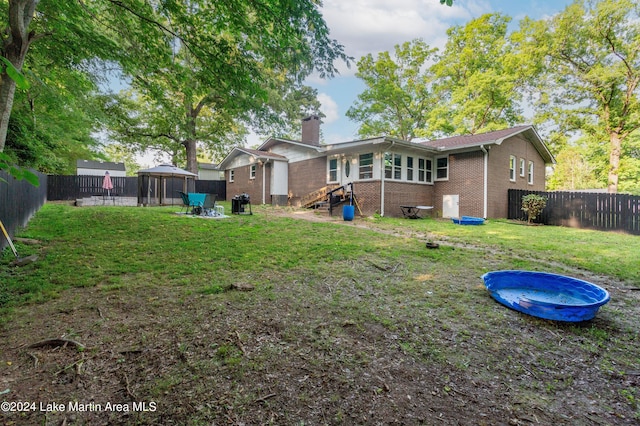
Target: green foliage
[[532, 205], [589, 60], [398, 97], [479, 79], [475, 85], [199, 70], [8, 165], [231, 73], [53, 123], [575, 169], [14, 74]]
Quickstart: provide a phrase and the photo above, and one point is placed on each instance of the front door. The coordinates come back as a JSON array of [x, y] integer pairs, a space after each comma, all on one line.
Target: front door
[[348, 170], [451, 205]]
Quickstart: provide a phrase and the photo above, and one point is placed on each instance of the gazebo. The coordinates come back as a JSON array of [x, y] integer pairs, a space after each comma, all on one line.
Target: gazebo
[[160, 185]]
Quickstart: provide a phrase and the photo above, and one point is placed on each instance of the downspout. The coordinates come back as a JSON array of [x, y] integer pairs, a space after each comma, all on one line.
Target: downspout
[[485, 184], [382, 185], [264, 182], [382, 180]]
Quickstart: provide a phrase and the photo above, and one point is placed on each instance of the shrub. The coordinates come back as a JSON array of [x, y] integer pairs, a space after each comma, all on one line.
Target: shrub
[[533, 205]]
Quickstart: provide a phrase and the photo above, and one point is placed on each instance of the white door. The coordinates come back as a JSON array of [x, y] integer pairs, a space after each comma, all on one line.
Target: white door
[[348, 170], [280, 178], [450, 205]]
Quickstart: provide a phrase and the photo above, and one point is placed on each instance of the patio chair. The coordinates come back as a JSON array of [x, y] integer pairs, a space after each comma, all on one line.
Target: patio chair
[[185, 201], [209, 206]]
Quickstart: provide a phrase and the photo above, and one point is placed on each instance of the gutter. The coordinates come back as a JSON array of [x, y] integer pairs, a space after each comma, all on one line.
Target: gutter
[[485, 184]]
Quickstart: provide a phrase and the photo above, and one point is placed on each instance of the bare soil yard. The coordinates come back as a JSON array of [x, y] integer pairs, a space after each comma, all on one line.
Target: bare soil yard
[[368, 342]]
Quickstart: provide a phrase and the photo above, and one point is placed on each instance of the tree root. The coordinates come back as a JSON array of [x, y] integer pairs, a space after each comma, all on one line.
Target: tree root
[[57, 343]]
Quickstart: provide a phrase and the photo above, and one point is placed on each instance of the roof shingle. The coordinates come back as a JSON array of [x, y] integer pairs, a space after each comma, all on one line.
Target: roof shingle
[[470, 140]]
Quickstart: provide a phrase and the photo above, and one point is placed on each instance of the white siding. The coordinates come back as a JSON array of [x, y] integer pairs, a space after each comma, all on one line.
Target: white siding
[[296, 153], [100, 172]]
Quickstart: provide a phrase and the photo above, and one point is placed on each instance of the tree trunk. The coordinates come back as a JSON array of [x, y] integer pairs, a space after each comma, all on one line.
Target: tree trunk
[[192, 159], [190, 143], [15, 49], [614, 161], [7, 92]]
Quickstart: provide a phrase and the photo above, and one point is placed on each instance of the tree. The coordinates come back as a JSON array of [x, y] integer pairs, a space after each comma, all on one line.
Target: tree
[[590, 54], [398, 96], [225, 72], [236, 49], [15, 45], [573, 170], [479, 79]]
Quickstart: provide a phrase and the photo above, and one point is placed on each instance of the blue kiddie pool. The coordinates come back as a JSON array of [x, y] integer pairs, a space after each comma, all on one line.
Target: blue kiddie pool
[[468, 220], [548, 296]]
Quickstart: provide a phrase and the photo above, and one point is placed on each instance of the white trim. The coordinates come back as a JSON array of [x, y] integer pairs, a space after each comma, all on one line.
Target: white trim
[[485, 183], [264, 182], [382, 180], [513, 173], [435, 166]]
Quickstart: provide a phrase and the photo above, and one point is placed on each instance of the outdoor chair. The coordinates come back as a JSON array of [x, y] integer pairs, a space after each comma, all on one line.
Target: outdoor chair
[[209, 206], [185, 201]]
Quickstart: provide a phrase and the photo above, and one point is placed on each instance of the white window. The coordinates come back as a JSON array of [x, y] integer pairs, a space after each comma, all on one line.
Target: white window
[[530, 176], [252, 173], [522, 167], [333, 170], [442, 168], [409, 168], [425, 170], [512, 168], [366, 166], [231, 175], [392, 166]]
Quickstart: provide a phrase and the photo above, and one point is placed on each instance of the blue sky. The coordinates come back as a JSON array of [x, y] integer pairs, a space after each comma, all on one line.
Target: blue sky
[[373, 26]]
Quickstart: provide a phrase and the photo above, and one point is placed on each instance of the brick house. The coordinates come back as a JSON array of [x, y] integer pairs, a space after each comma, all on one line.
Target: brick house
[[461, 175]]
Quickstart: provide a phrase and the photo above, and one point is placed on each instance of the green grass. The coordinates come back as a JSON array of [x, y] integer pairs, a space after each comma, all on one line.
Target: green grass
[[608, 253], [119, 247], [328, 298]]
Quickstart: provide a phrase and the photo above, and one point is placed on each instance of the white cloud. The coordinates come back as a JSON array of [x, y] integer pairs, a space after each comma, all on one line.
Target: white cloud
[[372, 26], [329, 108]]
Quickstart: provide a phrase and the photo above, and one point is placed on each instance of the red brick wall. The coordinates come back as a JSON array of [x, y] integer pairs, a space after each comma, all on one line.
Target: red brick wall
[[466, 171], [305, 177], [499, 182], [368, 196], [396, 194], [243, 183]]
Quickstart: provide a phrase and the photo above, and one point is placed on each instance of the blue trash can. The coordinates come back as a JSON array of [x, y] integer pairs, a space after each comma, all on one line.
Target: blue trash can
[[348, 212]]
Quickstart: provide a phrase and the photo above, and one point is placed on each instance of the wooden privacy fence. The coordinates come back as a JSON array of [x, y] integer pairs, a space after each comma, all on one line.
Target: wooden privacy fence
[[603, 211], [61, 188], [19, 201]]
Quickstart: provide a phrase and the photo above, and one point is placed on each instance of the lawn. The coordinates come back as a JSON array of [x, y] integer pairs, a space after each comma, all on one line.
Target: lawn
[[273, 319]]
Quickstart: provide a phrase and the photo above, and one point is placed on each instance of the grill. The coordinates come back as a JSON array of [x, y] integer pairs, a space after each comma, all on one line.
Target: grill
[[241, 204]]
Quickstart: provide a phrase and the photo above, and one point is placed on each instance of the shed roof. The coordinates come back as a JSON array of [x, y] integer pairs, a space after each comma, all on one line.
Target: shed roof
[[100, 165]]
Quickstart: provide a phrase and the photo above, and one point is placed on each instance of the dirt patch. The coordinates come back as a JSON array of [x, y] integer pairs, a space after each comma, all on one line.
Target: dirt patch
[[314, 349]]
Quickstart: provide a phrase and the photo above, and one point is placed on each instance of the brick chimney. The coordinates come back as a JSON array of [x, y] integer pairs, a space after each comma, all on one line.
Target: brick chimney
[[311, 130]]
